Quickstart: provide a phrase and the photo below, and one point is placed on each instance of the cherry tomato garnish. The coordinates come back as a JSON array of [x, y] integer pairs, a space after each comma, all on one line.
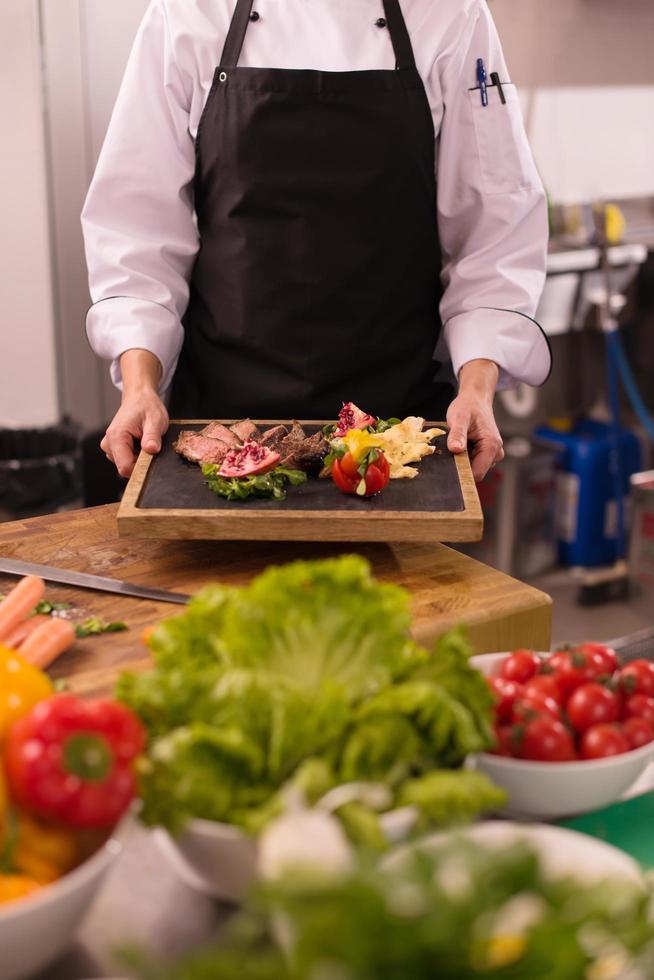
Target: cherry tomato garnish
[[592, 704], [543, 739], [602, 741], [520, 666], [607, 655], [544, 684], [530, 705], [571, 668], [349, 466], [638, 678], [638, 732], [640, 706], [506, 693], [503, 741]]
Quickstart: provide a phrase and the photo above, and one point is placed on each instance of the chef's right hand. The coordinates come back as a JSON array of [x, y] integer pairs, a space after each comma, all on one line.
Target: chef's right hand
[[141, 416]]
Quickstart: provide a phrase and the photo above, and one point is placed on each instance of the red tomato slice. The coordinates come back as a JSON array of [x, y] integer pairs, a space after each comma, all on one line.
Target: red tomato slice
[[506, 693], [602, 741], [342, 481], [520, 666], [543, 739], [349, 466], [640, 706], [592, 704], [638, 678], [375, 480], [638, 732], [382, 464], [502, 741]]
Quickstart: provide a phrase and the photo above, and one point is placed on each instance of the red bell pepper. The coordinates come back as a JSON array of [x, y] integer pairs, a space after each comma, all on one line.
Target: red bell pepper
[[72, 761]]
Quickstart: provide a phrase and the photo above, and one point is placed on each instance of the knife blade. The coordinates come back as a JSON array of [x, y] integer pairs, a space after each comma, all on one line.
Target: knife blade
[[66, 576]]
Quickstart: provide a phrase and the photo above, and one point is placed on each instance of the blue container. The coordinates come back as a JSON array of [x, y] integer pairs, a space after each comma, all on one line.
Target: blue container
[[586, 508]]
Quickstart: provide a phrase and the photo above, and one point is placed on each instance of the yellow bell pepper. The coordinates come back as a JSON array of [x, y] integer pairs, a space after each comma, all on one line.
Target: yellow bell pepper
[[16, 886], [42, 851], [358, 442], [21, 686]]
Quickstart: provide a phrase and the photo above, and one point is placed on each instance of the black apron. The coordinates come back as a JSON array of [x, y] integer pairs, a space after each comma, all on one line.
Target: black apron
[[318, 275]]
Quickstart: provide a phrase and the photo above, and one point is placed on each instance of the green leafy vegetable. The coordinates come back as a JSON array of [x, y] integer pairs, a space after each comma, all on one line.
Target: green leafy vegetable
[[306, 676], [457, 912], [382, 425], [270, 484], [94, 626]]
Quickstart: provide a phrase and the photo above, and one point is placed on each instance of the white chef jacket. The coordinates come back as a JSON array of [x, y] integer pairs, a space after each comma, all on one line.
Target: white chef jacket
[[139, 227]]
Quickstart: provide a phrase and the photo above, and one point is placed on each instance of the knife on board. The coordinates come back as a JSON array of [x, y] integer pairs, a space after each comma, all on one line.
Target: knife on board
[[66, 576]]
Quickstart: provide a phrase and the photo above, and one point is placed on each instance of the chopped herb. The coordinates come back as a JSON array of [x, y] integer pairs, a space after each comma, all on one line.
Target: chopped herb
[[95, 626], [47, 608], [60, 685]]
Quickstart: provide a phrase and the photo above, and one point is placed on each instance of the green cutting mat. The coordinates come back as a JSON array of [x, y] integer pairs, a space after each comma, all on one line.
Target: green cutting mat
[[628, 825]]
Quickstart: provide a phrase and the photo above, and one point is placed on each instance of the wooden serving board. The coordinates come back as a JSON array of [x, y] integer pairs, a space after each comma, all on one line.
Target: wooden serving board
[[168, 498], [446, 587]]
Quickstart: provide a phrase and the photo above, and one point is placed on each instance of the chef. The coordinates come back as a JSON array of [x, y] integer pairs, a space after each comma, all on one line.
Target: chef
[[296, 199]]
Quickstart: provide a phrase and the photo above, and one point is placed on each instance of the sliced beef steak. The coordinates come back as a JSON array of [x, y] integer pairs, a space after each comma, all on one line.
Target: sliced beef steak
[[216, 430], [246, 430], [291, 446], [198, 448], [312, 451], [273, 437]]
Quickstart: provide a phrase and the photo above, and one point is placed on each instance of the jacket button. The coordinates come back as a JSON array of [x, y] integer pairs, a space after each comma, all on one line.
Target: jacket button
[[381, 22], [254, 15]]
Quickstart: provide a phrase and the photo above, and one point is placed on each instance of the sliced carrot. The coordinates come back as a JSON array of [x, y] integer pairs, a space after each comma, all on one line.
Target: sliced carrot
[[19, 603], [48, 642], [23, 630]]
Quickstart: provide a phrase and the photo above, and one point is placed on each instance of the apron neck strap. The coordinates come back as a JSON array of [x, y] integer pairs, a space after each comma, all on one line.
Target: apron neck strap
[[404, 57], [236, 34]]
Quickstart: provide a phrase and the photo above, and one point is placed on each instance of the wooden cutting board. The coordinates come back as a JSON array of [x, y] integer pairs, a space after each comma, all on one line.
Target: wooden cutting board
[[168, 498], [446, 587]]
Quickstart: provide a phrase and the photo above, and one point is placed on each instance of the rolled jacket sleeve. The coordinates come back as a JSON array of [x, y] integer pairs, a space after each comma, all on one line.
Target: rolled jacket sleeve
[[139, 229], [492, 215]]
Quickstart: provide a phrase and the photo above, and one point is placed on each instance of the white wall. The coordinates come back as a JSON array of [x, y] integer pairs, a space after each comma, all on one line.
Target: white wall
[[28, 371]]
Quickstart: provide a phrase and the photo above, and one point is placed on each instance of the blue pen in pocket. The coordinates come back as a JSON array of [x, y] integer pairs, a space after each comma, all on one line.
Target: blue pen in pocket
[[482, 79]]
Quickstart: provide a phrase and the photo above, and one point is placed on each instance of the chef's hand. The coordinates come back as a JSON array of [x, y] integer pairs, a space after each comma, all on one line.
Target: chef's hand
[[142, 415], [470, 417]]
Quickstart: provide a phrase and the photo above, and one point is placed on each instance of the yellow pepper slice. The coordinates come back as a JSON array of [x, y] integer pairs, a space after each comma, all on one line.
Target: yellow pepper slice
[[16, 886], [21, 686], [42, 851], [358, 442]]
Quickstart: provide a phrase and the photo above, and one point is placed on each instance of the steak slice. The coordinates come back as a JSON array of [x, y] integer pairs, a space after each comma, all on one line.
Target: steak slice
[[245, 430], [216, 430], [273, 437], [198, 448], [312, 451], [291, 446]]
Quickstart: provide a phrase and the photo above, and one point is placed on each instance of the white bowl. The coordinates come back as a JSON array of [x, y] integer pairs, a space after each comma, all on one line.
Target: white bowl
[[214, 858], [563, 852], [37, 929], [550, 790]]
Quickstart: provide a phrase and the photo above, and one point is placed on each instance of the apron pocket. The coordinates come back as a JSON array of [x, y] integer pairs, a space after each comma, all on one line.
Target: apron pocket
[[505, 159]]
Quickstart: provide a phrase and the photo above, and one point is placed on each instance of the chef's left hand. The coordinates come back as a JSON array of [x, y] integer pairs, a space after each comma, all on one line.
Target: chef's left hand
[[470, 417]]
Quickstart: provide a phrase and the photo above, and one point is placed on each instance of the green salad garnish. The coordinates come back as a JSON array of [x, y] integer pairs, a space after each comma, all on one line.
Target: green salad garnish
[[271, 484]]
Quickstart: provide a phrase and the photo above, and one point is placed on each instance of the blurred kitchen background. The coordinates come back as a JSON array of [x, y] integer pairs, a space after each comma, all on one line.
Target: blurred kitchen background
[[586, 76]]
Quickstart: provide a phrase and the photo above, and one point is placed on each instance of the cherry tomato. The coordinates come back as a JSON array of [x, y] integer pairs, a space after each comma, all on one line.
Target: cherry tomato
[[571, 668], [640, 706], [543, 739], [602, 741], [638, 678], [384, 466], [606, 654], [530, 705], [520, 666], [591, 704], [638, 732], [503, 741], [544, 684], [506, 693]]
